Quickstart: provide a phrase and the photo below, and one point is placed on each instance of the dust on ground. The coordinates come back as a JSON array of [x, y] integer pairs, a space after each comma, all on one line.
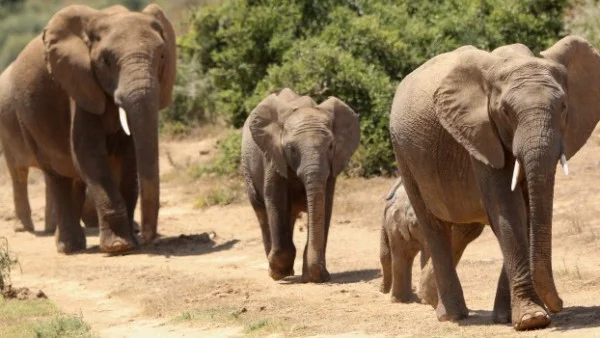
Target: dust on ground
[[207, 273]]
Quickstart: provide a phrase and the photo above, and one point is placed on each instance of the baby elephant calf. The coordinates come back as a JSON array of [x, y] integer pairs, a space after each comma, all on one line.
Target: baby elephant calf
[[401, 240]]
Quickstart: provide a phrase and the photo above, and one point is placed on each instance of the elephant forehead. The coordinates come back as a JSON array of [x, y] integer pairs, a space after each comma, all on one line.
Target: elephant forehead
[[306, 116], [128, 26]]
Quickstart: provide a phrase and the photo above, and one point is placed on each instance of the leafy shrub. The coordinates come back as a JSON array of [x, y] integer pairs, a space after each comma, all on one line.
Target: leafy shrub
[[585, 21], [218, 196], [356, 50], [7, 261], [228, 159]]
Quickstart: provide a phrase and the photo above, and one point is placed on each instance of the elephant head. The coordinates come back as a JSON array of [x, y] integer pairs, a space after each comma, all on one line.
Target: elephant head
[[528, 111], [312, 143], [114, 61]]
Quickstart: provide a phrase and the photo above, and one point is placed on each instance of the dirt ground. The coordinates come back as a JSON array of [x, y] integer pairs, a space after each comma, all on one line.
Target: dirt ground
[[207, 274]]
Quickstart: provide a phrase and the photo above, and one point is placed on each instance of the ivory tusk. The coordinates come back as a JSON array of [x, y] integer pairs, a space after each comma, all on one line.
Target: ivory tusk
[[515, 175], [123, 120], [564, 164]]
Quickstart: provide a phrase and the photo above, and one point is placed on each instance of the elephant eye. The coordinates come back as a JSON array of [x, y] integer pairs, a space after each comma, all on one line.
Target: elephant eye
[[106, 61], [331, 146]]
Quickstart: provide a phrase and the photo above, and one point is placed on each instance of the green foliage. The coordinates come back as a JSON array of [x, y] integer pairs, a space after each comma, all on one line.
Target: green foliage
[[219, 196], [585, 21], [63, 326], [228, 159], [356, 50], [7, 261]]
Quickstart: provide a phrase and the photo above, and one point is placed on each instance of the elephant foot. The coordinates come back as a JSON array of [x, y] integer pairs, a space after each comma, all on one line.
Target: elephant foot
[[385, 287], [553, 302], [530, 317], [20, 227], [452, 315], [70, 243], [23, 224], [501, 316], [148, 235], [280, 275], [404, 298], [49, 227], [111, 243], [316, 273]]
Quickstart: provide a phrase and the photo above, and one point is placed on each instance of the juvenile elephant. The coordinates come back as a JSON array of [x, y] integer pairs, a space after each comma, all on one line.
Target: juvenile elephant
[[402, 239], [19, 159], [459, 123], [292, 152], [77, 88]]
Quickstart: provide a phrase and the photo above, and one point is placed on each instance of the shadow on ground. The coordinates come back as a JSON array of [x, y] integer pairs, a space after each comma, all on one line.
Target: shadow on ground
[[576, 317], [345, 277], [182, 245]]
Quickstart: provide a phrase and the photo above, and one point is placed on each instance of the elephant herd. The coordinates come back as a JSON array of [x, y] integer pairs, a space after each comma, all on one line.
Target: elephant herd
[[477, 137]]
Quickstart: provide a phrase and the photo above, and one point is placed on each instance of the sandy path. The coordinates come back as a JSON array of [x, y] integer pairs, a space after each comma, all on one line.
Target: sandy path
[[220, 286]]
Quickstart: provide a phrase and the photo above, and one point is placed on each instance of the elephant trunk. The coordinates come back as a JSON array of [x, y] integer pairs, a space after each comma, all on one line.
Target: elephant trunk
[[315, 253], [140, 103], [540, 152]]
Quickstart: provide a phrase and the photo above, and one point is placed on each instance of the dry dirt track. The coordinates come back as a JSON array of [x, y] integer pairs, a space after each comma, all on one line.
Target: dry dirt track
[[204, 286]]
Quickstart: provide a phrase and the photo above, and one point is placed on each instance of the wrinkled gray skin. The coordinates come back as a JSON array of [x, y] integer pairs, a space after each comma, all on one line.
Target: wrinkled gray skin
[[292, 152], [18, 161], [402, 239], [458, 124], [67, 86]]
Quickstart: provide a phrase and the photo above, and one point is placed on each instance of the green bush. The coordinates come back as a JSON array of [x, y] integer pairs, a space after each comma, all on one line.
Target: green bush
[[228, 159], [7, 261], [584, 20], [356, 50]]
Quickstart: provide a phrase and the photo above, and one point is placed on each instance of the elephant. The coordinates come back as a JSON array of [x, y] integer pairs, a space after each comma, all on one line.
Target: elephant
[[458, 123], [292, 152], [402, 239], [87, 92], [18, 161]]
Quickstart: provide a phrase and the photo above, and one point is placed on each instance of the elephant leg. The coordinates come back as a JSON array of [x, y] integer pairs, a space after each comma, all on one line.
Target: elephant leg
[[283, 252], [502, 310], [78, 191], [438, 236], [19, 177], [69, 235], [90, 155], [507, 214], [128, 182], [50, 218], [89, 216], [462, 235], [261, 215], [403, 257], [385, 257]]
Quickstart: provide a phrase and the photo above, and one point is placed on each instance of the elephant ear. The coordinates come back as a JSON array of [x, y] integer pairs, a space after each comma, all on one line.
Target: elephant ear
[[461, 105], [167, 74], [266, 127], [582, 62], [346, 132], [67, 56]]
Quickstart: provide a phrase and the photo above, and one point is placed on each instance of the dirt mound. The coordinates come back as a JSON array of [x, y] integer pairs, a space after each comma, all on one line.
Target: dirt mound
[[24, 293]]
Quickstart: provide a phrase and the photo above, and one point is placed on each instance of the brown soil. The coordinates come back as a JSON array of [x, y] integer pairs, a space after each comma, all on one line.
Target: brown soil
[[207, 274]]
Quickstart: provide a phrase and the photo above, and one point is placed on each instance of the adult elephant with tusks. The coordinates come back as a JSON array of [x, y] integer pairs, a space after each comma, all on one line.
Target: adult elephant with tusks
[[477, 137], [292, 152], [87, 94]]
